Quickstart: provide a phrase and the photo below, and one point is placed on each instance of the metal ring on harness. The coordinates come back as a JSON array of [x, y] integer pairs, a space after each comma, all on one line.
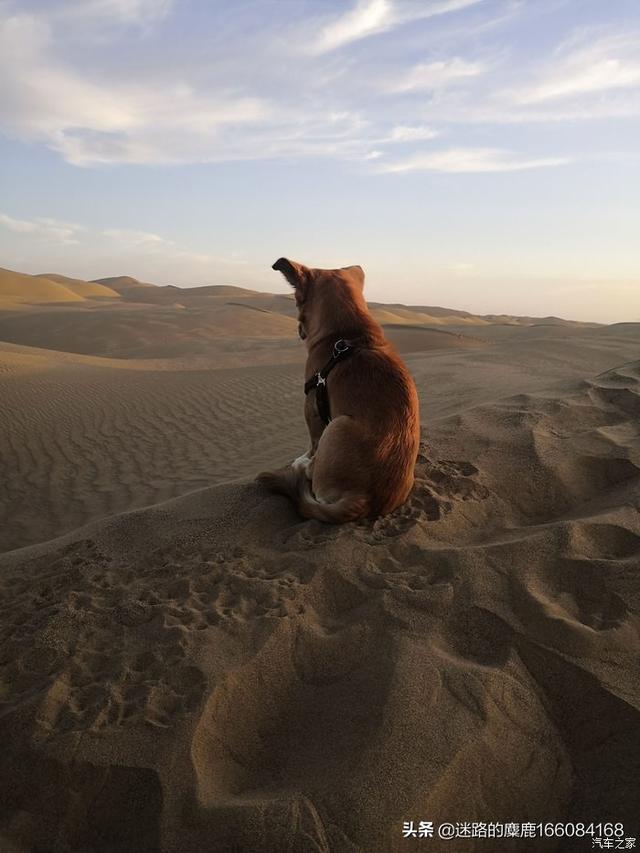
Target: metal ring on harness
[[318, 382], [340, 347]]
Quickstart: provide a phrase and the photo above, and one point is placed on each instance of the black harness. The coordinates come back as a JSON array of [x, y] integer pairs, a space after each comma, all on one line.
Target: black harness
[[341, 349]]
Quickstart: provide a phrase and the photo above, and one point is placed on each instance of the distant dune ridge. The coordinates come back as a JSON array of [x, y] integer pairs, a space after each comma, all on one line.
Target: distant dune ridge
[[186, 665], [17, 289], [86, 289], [121, 317], [121, 282]]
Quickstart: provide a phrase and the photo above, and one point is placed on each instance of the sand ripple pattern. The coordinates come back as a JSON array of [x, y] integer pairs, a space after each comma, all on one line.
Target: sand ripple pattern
[[79, 443]]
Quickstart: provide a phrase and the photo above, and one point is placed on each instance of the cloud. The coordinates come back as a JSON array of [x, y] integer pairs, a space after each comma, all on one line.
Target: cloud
[[590, 76], [130, 105], [133, 10], [403, 133], [126, 11], [597, 77], [20, 226], [601, 65], [150, 245], [43, 228], [89, 121], [436, 75], [365, 19], [370, 17], [469, 160], [158, 118], [127, 243], [142, 239]]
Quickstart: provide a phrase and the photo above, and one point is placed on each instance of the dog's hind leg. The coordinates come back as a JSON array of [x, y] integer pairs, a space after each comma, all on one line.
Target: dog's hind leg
[[332, 485], [336, 487], [295, 484]]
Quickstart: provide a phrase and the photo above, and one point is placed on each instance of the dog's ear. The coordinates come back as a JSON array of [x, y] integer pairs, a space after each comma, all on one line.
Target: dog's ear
[[356, 274], [296, 274]]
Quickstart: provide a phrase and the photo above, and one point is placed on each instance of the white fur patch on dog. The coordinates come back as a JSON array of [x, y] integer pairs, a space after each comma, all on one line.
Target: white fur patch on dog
[[301, 461], [304, 464]]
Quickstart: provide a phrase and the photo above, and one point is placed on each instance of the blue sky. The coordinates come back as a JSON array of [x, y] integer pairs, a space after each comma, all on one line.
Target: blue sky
[[480, 154]]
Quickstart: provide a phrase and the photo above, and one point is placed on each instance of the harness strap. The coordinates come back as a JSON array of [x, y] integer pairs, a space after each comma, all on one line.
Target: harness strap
[[318, 382]]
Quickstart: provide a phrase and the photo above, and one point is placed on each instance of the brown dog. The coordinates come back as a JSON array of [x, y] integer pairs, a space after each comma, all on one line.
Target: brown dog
[[361, 463]]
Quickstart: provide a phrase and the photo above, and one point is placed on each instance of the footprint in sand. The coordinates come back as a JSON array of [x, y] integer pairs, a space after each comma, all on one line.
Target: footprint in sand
[[422, 578], [601, 541], [479, 636], [570, 601]]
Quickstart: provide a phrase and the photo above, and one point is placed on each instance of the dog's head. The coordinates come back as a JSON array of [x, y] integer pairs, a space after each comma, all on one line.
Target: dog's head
[[321, 295]]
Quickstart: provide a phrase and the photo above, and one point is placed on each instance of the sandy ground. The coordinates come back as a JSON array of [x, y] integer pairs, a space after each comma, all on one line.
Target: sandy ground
[[211, 673]]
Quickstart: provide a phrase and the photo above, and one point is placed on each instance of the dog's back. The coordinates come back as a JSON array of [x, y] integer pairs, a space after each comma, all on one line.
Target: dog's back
[[375, 389], [362, 462]]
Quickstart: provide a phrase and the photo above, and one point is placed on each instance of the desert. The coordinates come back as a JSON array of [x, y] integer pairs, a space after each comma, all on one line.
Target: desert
[[188, 665], [319, 426]]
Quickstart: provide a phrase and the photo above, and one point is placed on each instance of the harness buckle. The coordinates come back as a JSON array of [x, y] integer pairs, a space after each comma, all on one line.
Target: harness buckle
[[320, 379]]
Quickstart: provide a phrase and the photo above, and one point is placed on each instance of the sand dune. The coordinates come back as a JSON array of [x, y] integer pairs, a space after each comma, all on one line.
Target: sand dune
[[146, 321], [122, 282], [121, 317], [82, 437], [18, 289], [436, 316], [187, 666], [86, 289], [408, 338], [126, 331], [424, 316], [213, 673]]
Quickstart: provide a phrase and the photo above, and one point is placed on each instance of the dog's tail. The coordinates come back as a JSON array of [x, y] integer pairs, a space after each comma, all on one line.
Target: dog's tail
[[295, 483]]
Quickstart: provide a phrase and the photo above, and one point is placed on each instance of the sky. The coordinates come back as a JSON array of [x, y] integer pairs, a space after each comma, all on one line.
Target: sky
[[477, 154]]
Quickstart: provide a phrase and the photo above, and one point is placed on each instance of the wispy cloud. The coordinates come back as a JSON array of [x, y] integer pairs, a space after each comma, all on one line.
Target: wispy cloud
[[365, 19], [132, 9], [413, 133], [123, 242], [591, 75], [43, 228], [148, 245], [607, 63], [158, 119], [370, 17], [91, 121], [20, 226], [144, 239], [127, 11], [469, 160], [600, 76], [436, 75]]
